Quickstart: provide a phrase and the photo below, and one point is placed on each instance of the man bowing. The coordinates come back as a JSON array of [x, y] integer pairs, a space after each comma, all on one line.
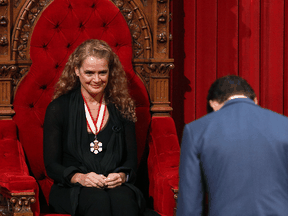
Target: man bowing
[[237, 153]]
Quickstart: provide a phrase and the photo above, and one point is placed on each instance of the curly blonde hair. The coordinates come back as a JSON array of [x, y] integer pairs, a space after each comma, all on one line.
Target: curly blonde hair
[[116, 91]]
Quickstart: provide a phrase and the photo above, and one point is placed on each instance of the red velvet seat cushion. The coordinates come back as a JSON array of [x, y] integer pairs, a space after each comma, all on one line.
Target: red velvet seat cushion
[[14, 171], [163, 162], [11, 149], [60, 29], [13, 167], [17, 182]]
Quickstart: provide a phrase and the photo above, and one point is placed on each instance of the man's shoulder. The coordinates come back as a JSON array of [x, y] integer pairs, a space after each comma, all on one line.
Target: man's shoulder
[[273, 113], [233, 111], [274, 118], [202, 122]]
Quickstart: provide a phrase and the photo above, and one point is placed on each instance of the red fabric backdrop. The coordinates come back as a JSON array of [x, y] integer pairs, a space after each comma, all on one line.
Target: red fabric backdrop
[[217, 38]]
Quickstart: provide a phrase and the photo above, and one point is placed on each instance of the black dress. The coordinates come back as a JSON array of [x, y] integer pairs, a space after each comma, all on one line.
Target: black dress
[[67, 151]]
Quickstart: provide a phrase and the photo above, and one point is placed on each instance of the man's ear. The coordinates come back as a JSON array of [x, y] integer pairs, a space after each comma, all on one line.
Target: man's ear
[[256, 100], [214, 104]]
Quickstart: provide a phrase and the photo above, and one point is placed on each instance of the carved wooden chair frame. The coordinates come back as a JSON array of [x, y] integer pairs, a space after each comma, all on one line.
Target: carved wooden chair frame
[[149, 25], [148, 21]]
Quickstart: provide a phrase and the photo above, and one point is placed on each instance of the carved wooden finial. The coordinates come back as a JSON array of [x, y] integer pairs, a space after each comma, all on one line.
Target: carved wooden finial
[[162, 17], [3, 21], [3, 41]]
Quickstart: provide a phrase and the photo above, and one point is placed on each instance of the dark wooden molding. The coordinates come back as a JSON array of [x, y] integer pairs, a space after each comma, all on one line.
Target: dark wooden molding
[[24, 26], [161, 28], [5, 23], [175, 191], [155, 75], [4, 40], [21, 204], [4, 208], [14, 72], [10, 76], [16, 204], [139, 28], [3, 2]]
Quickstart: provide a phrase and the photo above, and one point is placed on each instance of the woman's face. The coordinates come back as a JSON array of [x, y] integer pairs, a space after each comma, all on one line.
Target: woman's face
[[93, 75]]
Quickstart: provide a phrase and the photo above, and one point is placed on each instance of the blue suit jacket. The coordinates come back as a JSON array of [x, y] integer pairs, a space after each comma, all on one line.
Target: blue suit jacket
[[240, 155]]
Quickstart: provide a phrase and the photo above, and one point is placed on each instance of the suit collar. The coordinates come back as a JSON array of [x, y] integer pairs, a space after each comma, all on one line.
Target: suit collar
[[238, 100]]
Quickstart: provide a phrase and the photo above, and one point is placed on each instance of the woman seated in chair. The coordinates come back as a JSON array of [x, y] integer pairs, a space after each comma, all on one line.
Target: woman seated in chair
[[89, 137]]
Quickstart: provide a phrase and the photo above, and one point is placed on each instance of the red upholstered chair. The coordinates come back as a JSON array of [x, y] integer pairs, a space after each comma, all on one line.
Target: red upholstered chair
[[62, 26]]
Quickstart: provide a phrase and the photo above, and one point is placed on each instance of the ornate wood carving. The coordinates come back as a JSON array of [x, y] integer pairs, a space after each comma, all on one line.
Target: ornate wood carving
[[4, 40], [146, 49], [161, 29], [16, 3], [156, 76], [3, 2], [175, 191], [139, 28], [4, 206], [24, 27], [3, 21], [4, 28], [21, 205], [16, 204], [14, 72], [9, 78]]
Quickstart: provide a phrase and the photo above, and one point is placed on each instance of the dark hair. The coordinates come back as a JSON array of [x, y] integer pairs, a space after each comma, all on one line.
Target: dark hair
[[227, 86]]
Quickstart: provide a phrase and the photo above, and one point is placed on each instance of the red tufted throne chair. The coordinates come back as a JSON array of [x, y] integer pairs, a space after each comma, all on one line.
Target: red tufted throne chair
[[58, 30]]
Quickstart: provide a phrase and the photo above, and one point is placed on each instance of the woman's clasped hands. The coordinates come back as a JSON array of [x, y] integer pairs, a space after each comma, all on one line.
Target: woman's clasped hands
[[99, 181]]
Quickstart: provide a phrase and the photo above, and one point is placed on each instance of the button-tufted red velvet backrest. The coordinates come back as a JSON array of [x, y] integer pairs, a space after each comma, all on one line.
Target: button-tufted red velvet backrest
[[62, 26]]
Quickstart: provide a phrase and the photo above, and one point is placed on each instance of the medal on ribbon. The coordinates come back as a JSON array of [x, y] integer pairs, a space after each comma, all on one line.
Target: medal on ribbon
[[95, 126], [96, 146]]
